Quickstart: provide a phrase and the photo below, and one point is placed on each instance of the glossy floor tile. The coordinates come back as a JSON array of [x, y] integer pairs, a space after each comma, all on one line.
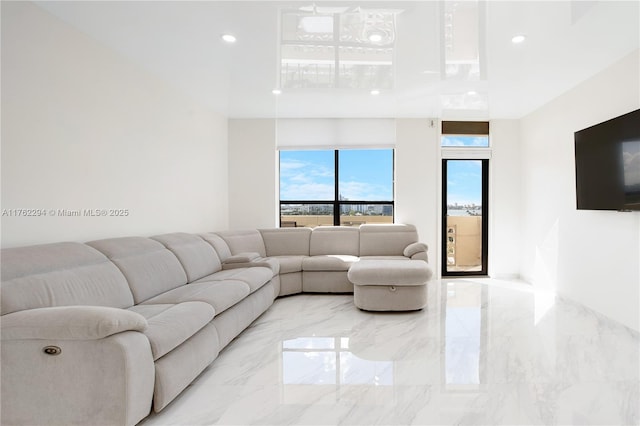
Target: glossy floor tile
[[483, 352]]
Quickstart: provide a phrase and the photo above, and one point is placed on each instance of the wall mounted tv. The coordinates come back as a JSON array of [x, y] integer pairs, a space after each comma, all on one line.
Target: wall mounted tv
[[608, 164]]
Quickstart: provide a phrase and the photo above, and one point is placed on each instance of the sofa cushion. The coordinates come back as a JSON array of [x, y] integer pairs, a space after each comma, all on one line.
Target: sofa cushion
[[286, 241], [171, 324], [335, 240], [334, 262], [387, 239], [244, 241], [254, 277], [221, 295], [389, 273], [384, 258], [198, 258], [60, 274], [218, 243], [290, 263], [150, 268]]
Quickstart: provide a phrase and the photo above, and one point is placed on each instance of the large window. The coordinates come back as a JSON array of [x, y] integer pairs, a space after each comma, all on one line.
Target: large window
[[336, 187], [465, 196]]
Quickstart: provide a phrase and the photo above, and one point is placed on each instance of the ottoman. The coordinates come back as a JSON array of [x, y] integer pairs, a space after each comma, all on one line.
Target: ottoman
[[389, 285]]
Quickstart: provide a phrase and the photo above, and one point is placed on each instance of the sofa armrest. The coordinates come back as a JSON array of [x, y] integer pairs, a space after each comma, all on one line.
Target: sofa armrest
[[264, 262], [70, 323], [241, 258], [88, 382], [421, 256], [416, 251]]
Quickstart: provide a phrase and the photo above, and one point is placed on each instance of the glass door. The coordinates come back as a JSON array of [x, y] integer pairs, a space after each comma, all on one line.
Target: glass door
[[464, 217]]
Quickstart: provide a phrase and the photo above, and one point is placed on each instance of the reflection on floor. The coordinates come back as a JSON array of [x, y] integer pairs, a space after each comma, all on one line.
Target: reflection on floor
[[481, 352]]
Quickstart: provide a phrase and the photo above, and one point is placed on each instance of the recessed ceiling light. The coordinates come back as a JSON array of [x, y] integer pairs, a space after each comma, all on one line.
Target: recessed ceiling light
[[375, 92], [229, 38], [472, 93], [518, 39], [276, 91], [375, 37]]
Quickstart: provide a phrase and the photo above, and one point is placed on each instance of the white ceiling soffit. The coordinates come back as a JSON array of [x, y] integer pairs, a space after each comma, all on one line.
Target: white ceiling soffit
[[425, 58]]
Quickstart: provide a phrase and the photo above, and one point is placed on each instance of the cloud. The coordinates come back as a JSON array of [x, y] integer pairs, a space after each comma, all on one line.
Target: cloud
[[307, 180], [306, 191], [465, 141], [364, 191], [303, 180]]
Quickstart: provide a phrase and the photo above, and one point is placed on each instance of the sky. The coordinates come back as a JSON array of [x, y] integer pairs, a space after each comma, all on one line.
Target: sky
[[464, 182], [365, 175]]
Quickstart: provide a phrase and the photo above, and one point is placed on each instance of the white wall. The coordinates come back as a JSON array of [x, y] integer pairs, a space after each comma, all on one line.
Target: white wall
[[418, 181], [84, 128], [589, 256], [253, 200], [504, 199]]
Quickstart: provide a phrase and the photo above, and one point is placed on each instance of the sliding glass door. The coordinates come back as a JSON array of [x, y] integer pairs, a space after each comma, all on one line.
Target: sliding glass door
[[464, 222]]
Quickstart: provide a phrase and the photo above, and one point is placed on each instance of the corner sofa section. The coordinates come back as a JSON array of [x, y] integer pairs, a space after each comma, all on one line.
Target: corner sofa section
[[102, 332]]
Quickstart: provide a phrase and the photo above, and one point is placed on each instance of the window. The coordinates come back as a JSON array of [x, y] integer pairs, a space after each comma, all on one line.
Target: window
[[465, 189], [336, 187], [468, 134]]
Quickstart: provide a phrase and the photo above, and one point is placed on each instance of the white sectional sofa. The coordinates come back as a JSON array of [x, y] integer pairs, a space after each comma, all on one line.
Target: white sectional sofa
[[102, 332]]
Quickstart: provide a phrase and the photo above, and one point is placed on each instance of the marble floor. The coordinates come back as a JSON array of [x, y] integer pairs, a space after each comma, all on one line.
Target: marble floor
[[483, 352]]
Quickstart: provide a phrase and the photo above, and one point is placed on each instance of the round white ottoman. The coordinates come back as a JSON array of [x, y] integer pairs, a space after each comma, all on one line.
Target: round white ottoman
[[390, 285]]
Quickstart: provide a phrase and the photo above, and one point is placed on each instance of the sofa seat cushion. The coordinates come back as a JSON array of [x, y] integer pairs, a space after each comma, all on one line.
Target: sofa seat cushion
[[329, 262], [221, 295], [169, 325], [389, 273], [254, 277], [384, 258], [290, 264]]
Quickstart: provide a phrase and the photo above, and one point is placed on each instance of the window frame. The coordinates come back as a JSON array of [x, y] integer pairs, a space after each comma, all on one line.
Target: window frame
[[337, 202], [480, 153]]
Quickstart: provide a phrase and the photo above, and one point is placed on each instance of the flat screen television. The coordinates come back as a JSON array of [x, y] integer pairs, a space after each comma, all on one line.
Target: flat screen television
[[608, 164]]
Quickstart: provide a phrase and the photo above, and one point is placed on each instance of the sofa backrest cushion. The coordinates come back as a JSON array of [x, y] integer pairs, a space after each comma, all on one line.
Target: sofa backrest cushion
[[219, 245], [150, 268], [386, 240], [198, 258], [244, 241], [286, 241], [334, 240], [60, 274]]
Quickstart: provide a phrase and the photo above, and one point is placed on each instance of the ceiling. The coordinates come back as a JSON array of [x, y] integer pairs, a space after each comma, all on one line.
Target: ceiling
[[451, 60]]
